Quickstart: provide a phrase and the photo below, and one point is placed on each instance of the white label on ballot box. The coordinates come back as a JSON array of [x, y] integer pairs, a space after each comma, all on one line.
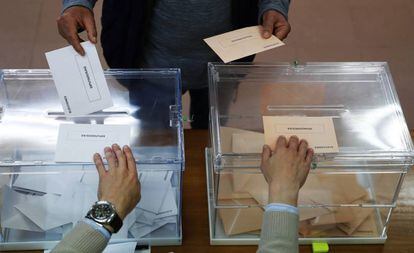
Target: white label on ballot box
[[318, 131], [79, 142], [79, 80]]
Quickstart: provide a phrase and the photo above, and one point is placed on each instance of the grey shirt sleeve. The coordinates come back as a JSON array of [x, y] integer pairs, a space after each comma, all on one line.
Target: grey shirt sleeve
[[281, 6], [85, 3], [279, 233], [82, 239]]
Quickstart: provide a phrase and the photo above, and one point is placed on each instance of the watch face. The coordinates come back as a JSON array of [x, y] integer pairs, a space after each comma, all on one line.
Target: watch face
[[102, 211]]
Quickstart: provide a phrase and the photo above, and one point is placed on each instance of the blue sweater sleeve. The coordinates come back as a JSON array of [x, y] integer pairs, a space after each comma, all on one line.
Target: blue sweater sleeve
[[281, 6], [85, 3]]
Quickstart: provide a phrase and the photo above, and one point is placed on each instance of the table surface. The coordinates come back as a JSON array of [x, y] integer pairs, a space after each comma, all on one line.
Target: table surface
[[195, 214]]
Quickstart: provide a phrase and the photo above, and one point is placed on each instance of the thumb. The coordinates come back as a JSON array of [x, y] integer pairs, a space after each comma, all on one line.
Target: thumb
[[268, 26], [89, 24]]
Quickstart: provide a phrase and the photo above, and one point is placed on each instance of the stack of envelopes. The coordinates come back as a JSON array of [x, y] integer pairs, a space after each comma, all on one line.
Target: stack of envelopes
[[49, 203], [247, 193]]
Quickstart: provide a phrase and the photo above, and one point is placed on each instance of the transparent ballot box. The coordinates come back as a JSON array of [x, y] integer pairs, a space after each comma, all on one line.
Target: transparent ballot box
[[41, 200], [350, 193]]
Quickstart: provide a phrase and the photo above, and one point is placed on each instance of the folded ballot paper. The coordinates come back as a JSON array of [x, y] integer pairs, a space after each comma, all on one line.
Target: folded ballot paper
[[51, 203], [79, 80]]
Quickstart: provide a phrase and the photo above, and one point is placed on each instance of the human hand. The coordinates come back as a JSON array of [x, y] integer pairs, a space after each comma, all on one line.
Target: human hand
[[119, 183], [71, 20], [286, 169], [275, 23]]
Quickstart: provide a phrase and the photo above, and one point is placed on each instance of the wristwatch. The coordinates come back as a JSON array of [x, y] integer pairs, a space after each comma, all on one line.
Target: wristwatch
[[104, 213]]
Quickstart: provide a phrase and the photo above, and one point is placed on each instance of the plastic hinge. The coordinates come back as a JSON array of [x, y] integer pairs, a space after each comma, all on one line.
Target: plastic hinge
[[174, 116]]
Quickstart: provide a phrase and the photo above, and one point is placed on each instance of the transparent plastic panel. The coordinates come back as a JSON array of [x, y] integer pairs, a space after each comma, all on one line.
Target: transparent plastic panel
[[360, 98], [40, 204], [247, 188], [351, 224], [236, 218], [149, 101]]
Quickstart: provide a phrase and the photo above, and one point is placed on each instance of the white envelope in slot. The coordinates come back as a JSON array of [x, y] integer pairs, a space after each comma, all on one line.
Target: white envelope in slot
[[318, 131], [79, 80]]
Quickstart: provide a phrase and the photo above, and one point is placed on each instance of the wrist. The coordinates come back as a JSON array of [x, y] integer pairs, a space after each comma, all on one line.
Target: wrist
[[285, 195], [119, 211]]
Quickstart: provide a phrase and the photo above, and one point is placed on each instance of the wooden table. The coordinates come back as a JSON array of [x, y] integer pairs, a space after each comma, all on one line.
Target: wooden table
[[195, 215]]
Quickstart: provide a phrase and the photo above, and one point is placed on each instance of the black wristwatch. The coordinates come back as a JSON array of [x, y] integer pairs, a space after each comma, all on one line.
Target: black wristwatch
[[104, 213]]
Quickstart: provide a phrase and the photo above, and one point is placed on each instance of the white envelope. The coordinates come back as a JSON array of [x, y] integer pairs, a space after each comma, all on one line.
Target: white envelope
[[84, 196], [140, 230], [47, 211], [154, 187], [318, 131], [57, 183], [240, 43], [79, 142], [168, 208], [79, 80], [12, 217], [125, 247]]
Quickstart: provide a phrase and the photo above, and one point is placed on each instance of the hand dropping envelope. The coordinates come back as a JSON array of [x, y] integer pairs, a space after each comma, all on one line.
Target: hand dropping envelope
[[240, 43], [79, 80], [318, 131]]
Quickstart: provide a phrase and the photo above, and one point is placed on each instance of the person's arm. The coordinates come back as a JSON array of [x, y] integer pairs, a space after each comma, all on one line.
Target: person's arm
[[273, 15], [77, 15], [83, 238], [285, 169], [118, 185]]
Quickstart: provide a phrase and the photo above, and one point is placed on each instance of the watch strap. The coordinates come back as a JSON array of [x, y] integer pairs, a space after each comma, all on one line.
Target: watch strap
[[116, 223]]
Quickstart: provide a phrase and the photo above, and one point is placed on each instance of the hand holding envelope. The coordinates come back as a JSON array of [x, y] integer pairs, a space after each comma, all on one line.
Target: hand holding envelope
[[240, 43], [79, 80]]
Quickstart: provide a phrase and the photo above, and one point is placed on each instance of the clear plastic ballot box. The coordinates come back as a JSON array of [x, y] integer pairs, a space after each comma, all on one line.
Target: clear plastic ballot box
[[41, 200], [349, 194]]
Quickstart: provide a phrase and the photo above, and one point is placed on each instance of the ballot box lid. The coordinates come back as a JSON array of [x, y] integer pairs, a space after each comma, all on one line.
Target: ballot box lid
[[146, 100], [359, 97]]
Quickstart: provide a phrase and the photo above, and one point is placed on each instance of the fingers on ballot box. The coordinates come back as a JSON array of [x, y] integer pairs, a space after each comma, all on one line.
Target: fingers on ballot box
[[48, 180], [351, 117]]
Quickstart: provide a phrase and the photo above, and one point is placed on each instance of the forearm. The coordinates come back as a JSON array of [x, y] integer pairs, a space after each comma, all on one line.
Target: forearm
[[281, 6], [279, 231], [85, 3], [83, 238]]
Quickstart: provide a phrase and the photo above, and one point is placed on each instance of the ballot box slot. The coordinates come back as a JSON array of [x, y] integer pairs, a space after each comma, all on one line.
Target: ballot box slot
[[325, 110], [61, 114]]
